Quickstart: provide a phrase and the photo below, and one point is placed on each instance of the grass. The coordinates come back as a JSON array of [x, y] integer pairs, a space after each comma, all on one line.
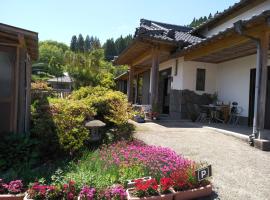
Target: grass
[[91, 170], [88, 169]]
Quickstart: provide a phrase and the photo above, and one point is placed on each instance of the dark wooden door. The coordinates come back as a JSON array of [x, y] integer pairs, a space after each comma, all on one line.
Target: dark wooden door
[[251, 96], [267, 106]]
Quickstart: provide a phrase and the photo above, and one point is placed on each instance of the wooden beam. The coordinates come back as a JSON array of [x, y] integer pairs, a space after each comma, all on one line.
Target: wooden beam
[[21, 40], [218, 44], [145, 56]]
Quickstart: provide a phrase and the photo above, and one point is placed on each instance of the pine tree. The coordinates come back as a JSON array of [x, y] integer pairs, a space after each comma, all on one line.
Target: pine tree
[[109, 49], [74, 44], [96, 43], [80, 43], [120, 44], [87, 44]]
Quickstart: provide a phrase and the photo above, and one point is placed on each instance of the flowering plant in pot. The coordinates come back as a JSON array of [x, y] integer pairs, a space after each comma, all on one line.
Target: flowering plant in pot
[[87, 193], [186, 185], [41, 192], [150, 190], [52, 192], [12, 191], [115, 192]]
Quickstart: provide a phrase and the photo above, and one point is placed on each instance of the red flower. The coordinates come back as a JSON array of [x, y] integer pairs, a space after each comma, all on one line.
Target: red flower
[[165, 184]]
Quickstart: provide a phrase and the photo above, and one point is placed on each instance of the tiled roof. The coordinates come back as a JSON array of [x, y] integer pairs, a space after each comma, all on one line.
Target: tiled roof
[[222, 14], [166, 32], [204, 41], [63, 79]]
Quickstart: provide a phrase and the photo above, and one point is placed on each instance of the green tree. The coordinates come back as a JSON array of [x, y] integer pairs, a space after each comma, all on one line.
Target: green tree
[[52, 55], [80, 43], [74, 43], [87, 44], [110, 50]]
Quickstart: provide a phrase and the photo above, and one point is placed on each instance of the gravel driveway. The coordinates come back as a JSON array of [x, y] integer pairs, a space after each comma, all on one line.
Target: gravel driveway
[[239, 171]]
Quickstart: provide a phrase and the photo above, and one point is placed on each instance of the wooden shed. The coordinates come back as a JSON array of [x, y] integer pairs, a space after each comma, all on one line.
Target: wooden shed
[[18, 48]]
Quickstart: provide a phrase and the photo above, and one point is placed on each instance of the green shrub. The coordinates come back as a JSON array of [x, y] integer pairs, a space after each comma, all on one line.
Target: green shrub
[[111, 106], [69, 117], [17, 149]]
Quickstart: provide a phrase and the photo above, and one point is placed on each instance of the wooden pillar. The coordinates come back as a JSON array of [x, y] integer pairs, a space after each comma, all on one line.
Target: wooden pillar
[[264, 47], [154, 79], [136, 90], [130, 84]]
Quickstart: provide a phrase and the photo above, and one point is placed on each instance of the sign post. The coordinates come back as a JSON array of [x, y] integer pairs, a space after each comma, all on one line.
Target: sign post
[[204, 173]]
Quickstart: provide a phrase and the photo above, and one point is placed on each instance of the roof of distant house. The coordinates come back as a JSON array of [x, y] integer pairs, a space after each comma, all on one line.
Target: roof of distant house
[[63, 79]]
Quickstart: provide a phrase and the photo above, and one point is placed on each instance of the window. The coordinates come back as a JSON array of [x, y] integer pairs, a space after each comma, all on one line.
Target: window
[[200, 81]]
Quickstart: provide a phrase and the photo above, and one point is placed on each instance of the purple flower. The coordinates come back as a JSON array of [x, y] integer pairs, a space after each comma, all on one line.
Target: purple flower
[[15, 187], [87, 193]]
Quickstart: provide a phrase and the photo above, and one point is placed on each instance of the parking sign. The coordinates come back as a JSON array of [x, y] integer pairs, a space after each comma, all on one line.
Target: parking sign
[[204, 173]]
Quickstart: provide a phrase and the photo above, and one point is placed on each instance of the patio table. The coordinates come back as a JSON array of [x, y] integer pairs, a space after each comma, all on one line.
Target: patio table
[[213, 110]]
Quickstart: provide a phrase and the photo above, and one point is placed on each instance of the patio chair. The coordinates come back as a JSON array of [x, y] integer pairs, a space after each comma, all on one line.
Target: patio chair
[[202, 114], [236, 111]]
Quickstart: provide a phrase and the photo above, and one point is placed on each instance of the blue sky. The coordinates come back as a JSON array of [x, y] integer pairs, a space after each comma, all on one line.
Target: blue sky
[[60, 19]]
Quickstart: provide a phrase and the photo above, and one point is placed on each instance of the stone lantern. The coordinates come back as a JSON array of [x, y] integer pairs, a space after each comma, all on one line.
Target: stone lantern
[[94, 127]]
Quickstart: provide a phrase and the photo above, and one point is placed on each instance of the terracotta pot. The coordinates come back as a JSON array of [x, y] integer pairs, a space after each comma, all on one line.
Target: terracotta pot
[[193, 193], [12, 196], [159, 197], [131, 183]]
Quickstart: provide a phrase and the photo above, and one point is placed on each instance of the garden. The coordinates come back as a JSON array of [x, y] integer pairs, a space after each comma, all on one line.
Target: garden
[[58, 160]]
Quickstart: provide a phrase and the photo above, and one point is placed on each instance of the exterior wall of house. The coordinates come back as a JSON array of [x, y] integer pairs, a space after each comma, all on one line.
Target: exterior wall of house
[[233, 79], [246, 15], [190, 74]]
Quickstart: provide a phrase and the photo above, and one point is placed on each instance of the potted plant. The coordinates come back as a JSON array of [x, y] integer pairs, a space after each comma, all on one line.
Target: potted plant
[[115, 192], [12, 191], [87, 193], [41, 192], [186, 186], [139, 117], [131, 183], [149, 190], [52, 192]]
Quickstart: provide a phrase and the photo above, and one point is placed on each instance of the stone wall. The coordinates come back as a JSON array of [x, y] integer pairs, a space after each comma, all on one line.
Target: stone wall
[[182, 103]]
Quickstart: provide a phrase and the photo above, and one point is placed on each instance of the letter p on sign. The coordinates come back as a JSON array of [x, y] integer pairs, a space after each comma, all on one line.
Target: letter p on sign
[[204, 173]]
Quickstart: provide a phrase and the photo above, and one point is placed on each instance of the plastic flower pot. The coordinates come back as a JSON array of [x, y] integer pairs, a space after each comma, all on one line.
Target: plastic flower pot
[[26, 197], [193, 193], [12, 196], [158, 197], [131, 183]]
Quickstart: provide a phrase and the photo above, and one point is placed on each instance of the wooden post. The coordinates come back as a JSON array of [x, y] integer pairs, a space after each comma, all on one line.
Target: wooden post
[[154, 78], [264, 39], [130, 84]]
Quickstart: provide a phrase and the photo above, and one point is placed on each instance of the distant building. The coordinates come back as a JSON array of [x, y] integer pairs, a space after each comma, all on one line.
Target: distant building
[[63, 83]]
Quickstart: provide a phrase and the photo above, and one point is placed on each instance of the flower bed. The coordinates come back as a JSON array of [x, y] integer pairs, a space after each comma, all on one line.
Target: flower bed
[[12, 190], [104, 174]]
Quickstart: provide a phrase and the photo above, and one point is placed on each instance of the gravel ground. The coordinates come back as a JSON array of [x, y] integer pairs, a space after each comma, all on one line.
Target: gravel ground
[[240, 172]]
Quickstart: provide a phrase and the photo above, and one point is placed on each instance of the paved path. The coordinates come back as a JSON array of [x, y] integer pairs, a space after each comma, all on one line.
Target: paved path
[[240, 172]]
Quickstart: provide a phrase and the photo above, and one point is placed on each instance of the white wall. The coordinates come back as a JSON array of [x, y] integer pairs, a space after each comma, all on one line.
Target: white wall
[[177, 79], [246, 15], [190, 74], [234, 81]]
